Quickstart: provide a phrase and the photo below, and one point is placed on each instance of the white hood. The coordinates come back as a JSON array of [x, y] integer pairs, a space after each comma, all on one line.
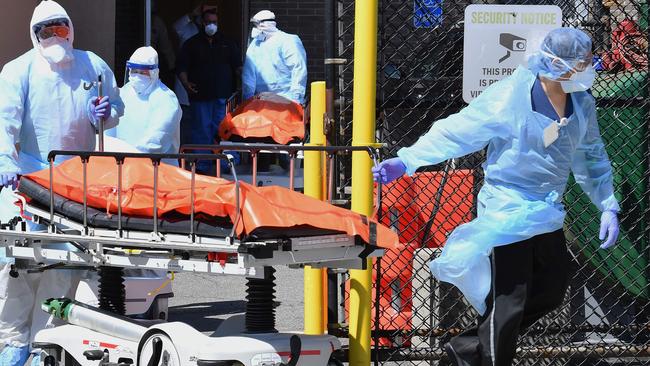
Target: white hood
[[48, 10]]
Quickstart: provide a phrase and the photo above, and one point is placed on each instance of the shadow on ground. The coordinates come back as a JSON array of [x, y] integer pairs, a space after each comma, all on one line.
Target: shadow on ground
[[206, 316]]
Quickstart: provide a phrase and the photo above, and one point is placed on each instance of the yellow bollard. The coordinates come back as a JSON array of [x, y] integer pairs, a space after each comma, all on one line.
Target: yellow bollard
[[363, 133], [313, 181]]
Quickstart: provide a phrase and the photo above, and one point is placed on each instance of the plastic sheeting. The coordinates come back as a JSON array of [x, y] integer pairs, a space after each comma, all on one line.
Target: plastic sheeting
[[261, 207], [265, 116]]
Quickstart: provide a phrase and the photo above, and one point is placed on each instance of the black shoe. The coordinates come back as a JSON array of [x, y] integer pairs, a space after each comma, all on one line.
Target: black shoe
[[451, 355]]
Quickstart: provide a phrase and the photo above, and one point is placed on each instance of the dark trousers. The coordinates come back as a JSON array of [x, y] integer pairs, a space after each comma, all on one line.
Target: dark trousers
[[529, 280], [206, 118]]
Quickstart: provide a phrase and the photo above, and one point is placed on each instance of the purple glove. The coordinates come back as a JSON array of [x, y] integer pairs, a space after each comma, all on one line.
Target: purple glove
[[98, 109], [9, 180], [388, 170], [609, 226]]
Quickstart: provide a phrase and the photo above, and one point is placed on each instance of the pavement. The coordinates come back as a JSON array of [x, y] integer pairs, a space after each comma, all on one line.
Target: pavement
[[204, 301]]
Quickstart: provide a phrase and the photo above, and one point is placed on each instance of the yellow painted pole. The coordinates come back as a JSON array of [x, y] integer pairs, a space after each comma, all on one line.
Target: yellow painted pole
[[313, 181], [363, 133]]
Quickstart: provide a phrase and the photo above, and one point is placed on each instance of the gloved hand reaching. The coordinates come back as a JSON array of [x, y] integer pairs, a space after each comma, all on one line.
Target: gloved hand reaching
[[388, 170], [609, 226], [98, 109], [9, 179]]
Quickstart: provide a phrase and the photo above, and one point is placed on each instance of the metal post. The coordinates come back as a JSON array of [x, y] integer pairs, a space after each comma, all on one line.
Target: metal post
[[119, 197], [51, 227], [363, 133], [147, 23], [254, 155], [192, 198], [100, 95], [332, 277], [155, 197], [330, 178], [292, 170], [84, 169], [313, 187]]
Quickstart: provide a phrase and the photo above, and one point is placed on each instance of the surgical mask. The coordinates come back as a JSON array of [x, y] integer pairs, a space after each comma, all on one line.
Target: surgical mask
[[258, 34], [140, 82], [211, 29], [579, 81], [56, 50]]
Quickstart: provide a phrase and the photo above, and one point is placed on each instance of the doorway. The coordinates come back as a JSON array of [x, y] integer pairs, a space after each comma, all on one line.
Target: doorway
[[130, 30]]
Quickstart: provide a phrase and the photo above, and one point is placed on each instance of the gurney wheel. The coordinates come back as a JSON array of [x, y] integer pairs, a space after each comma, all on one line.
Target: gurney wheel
[[49, 361], [334, 362], [158, 342]]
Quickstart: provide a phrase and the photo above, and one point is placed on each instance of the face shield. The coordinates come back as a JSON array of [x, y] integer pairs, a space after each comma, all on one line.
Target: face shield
[[574, 74], [565, 56], [141, 76]]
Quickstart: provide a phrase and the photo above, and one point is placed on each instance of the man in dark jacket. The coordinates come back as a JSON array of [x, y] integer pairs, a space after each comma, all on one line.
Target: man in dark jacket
[[207, 67]]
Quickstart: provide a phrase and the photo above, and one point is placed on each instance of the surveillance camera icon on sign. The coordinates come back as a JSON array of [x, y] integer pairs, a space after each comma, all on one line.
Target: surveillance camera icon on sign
[[511, 43]]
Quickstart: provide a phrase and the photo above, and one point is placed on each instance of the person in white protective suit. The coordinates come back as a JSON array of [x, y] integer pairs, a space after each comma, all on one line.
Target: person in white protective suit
[[275, 61], [44, 106], [511, 262], [152, 115]]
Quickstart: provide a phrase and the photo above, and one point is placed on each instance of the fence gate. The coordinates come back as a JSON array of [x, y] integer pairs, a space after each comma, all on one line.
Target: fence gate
[[605, 318]]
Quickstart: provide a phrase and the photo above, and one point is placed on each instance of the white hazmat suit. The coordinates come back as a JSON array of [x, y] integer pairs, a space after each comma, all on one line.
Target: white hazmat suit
[[152, 115], [43, 106], [275, 61]]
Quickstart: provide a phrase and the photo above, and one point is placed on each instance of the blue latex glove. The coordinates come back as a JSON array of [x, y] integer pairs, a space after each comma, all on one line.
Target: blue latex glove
[[14, 356], [9, 179], [388, 170], [609, 226], [98, 109]]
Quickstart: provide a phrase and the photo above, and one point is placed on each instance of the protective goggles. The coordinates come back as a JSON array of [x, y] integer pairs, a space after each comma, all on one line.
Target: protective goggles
[[257, 23], [572, 64], [57, 27]]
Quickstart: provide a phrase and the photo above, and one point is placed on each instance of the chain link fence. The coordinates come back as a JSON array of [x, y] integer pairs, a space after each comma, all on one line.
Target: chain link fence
[[605, 316]]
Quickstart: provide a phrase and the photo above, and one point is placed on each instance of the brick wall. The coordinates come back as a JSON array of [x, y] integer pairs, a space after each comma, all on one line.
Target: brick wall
[[304, 18]]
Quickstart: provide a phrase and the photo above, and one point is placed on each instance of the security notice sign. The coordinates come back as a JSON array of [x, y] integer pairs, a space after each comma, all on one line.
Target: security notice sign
[[498, 38]]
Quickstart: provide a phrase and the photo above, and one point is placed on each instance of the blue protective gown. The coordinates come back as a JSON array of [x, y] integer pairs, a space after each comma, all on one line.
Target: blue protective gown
[[524, 181], [278, 65]]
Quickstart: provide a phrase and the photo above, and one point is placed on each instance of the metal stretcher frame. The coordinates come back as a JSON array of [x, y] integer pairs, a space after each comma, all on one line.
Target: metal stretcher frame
[[173, 252], [155, 160], [292, 150]]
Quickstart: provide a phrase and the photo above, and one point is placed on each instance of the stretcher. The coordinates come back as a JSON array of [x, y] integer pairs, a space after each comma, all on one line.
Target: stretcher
[[264, 118], [292, 179], [97, 202]]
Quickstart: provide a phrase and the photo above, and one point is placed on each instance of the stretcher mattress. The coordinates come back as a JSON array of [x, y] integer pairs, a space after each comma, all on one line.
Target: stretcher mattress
[[264, 119], [266, 212]]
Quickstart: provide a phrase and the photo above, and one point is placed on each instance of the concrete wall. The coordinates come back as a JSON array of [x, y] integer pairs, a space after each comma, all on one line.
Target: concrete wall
[[94, 23]]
